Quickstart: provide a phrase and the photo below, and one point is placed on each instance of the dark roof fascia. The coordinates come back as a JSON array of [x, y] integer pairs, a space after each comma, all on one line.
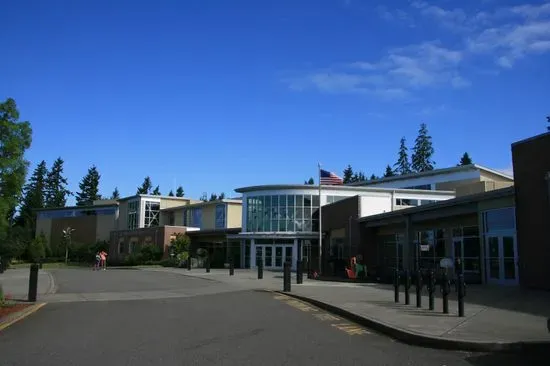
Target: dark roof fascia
[[76, 207]]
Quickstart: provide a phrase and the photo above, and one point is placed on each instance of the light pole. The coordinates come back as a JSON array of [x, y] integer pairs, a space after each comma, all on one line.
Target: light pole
[[67, 235]]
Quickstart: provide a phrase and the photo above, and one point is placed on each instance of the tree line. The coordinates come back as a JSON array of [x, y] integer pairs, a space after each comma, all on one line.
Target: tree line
[[421, 159]]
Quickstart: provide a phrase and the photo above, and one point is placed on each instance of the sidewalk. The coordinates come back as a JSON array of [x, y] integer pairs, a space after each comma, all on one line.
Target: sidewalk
[[15, 283], [496, 318]]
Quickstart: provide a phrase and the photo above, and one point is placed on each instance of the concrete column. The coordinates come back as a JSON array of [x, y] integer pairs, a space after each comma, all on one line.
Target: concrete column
[[409, 249], [252, 254]]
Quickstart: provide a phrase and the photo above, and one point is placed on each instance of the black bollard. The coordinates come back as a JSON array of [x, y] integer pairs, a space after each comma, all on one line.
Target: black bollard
[[231, 268], [1, 265], [207, 265], [396, 280], [407, 287], [286, 277], [189, 263], [431, 288], [260, 269], [418, 287], [445, 289], [33, 282], [461, 294], [299, 272]]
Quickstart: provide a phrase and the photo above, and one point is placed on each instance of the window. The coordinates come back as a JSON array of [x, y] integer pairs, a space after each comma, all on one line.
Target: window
[[196, 217], [406, 202], [332, 199], [283, 213], [133, 215], [499, 219], [152, 211], [220, 216]]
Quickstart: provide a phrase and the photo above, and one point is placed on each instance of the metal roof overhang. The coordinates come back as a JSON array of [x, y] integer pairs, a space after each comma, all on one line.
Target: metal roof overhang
[[275, 235]]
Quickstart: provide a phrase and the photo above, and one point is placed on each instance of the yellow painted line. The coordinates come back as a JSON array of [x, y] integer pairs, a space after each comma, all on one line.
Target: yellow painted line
[[31, 309], [326, 317], [300, 305], [350, 329]]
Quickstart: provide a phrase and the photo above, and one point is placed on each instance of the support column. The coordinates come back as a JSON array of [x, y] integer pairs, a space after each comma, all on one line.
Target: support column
[[409, 255], [252, 253]]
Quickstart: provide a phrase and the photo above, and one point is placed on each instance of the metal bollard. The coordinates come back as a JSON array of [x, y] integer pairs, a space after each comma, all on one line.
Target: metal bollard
[[189, 263], [396, 280], [286, 277], [445, 289], [231, 268], [431, 288], [208, 265], [33, 282], [1, 265], [299, 272], [260, 269], [407, 287], [461, 294], [418, 287]]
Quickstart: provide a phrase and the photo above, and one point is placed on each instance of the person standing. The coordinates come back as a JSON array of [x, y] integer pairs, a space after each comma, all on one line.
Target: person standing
[[97, 262], [103, 256]]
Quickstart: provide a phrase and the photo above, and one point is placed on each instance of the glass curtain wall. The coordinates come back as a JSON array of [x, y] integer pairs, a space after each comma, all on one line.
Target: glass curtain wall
[[133, 215], [390, 246], [152, 212], [282, 213], [430, 245]]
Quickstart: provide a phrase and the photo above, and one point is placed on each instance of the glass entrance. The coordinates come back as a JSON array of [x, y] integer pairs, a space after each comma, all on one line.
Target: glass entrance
[[274, 256], [502, 259]]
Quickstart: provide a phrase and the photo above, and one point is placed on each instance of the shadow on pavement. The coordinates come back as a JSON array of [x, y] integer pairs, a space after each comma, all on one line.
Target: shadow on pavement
[[538, 358]]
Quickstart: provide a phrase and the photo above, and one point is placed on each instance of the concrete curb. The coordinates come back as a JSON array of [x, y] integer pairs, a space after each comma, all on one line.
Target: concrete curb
[[422, 340], [12, 319]]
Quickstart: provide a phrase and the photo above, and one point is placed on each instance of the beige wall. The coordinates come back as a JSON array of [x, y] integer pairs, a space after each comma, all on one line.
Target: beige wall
[[44, 226], [104, 225], [486, 176], [208, 217], [496, 203], [480, 187], [451, 186], [169, 202], [234, 215], [123, 215]]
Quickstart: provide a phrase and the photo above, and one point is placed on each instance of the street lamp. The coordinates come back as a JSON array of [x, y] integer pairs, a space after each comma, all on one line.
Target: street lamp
[[67, 235]]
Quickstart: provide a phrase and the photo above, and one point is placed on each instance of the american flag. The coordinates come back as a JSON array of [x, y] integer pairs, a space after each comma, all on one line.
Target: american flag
[[329, 178]]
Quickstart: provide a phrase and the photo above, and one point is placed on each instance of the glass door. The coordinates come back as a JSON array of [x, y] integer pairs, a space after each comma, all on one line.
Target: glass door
[[278, 256], [458, 252], [268, 257], [501, 260], [259, 255], [288, 255]]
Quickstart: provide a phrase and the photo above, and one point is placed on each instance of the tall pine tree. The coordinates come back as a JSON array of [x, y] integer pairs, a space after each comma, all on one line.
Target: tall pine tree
[[358, 177], [348, 175], [548, 120], [423, 151], [56, 186], [465, 159], [89, 188], [146, 186], [403, 166], [180, 192], [221, 196], [171, 194], [115, 195], [310, 181], [156, 191], [389, 172], [34, 197]]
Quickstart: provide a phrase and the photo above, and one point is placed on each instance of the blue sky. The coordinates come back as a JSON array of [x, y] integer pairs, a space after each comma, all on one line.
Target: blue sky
[[215, 95]]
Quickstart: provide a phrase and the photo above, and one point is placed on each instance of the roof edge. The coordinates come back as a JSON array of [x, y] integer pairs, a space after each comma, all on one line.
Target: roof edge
[[338, 187]]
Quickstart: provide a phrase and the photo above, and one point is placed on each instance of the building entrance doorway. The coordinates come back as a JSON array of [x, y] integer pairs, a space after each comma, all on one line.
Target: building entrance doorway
[[502, 259], [274, 256]]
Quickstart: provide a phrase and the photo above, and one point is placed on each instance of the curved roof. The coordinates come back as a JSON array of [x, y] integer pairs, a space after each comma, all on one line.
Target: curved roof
[[344, 188]]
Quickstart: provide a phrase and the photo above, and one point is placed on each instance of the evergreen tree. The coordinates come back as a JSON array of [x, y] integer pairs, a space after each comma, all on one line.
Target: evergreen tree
[[348, 174], [373, 177], [15, 139], [465, 159], [146, 186], [221, 196], [310, 181], [156, 191], [358, 177], [171, 194], [115, 195], [89, 188], [179, 192], [213, 197], [423, 151], [403, 165], [548, 120], [204, 197], [34, 197], [389, 172], [56, 186]]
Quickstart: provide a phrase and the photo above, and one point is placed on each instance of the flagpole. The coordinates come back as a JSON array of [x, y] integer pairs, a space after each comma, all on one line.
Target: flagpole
[[320, 222]]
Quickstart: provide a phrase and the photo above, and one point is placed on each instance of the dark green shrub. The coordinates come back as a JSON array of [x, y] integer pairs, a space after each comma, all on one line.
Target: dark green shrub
[[131, 260], [150, 252], [169, 263]]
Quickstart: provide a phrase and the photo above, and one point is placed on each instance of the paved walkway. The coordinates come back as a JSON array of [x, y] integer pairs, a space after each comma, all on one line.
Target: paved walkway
[[493, 315], [15, 283]]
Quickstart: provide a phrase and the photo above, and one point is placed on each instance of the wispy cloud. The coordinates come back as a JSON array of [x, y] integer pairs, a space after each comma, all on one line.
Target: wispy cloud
[[395, 76]]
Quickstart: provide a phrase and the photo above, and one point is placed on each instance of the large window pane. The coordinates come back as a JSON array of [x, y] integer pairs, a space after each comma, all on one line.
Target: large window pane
[[501, 219], [290, 200], [307, 201], [315, 200], [299, 200]]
